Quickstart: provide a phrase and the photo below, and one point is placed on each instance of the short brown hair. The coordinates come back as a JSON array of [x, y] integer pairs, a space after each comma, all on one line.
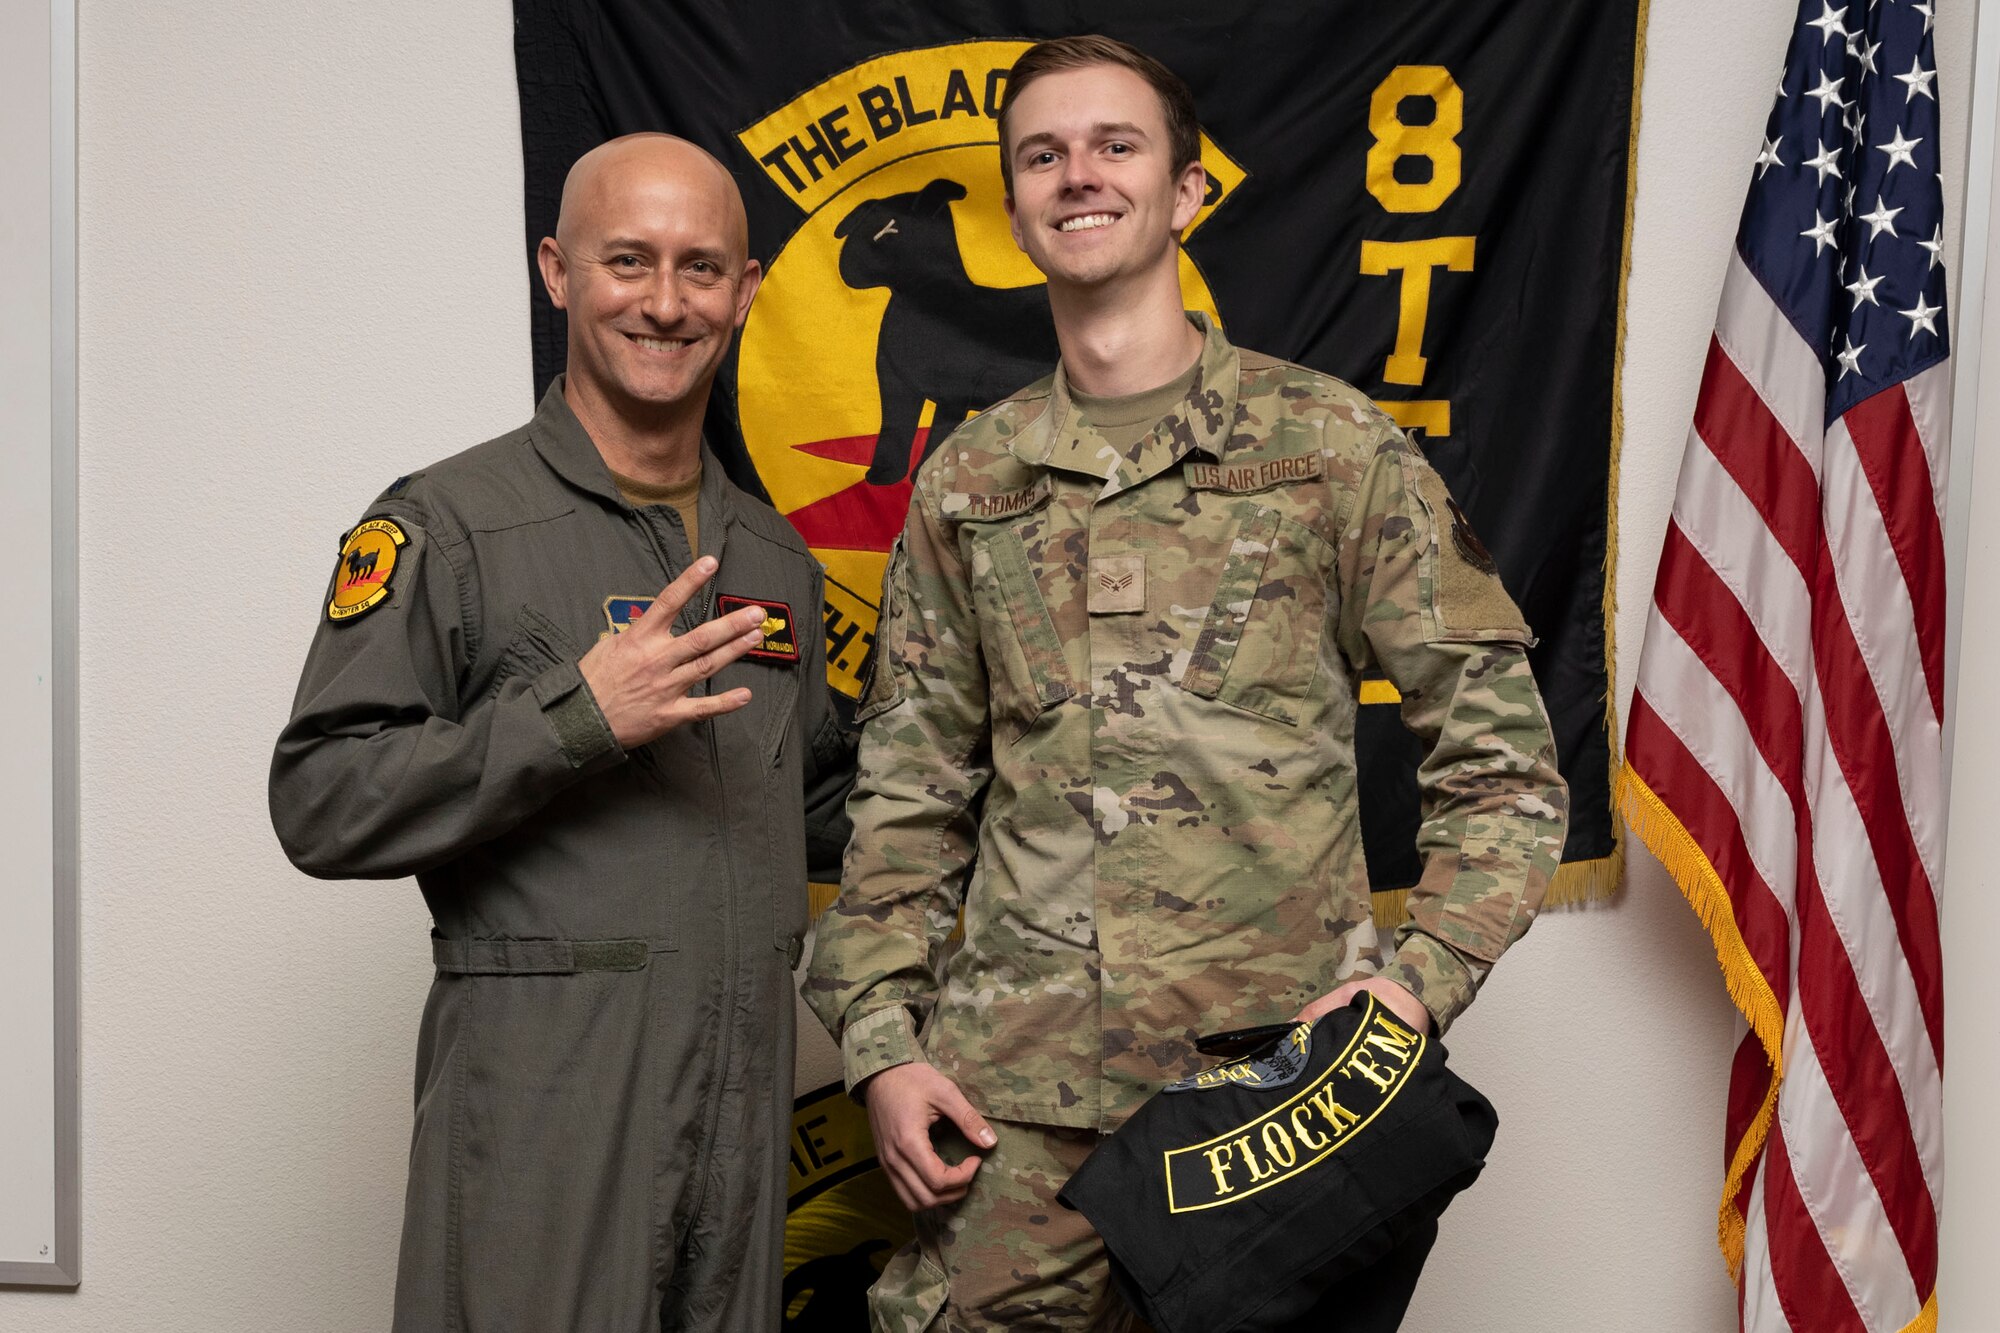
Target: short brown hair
[[1064, 53]]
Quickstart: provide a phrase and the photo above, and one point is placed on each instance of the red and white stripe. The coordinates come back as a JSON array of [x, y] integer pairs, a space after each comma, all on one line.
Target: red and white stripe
[[1787, 733]]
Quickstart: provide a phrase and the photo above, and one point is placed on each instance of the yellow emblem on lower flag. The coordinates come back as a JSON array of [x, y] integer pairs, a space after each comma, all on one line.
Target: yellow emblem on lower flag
[[843, 1220], [367, 559]]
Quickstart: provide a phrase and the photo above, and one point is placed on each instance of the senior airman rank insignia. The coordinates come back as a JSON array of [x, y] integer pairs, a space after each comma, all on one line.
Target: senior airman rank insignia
[[781, 636], [367, 559]]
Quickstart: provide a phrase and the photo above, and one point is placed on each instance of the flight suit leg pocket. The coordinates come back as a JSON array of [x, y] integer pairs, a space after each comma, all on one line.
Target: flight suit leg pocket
[[1259, 647], [547, 1151], [1024, 656]]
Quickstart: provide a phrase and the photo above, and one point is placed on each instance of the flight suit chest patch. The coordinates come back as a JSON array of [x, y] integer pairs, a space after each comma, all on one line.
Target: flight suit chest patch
[[1117, 584], [781, 633], [1254, 474], [621, 613]]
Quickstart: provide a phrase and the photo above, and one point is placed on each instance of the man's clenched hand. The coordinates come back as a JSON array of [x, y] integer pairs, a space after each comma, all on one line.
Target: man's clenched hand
[[904, 1101]]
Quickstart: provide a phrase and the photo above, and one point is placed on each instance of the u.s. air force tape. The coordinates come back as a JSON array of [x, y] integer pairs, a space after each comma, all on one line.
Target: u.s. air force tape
[[1295, 1186]]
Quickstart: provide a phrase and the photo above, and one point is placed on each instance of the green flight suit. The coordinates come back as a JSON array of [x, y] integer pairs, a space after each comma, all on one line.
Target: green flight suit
[[604, 1066]]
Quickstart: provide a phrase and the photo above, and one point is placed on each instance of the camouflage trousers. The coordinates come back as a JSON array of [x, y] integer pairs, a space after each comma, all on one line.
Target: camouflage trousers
[[1007, 1255]]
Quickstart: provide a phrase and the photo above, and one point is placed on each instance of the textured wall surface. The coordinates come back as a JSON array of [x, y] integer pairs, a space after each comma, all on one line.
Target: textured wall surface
[[301, 276]]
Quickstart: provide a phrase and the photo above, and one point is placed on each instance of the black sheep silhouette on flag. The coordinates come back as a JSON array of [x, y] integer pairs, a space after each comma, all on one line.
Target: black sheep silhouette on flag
[[360, 568], [834, 1287], [909, 244]]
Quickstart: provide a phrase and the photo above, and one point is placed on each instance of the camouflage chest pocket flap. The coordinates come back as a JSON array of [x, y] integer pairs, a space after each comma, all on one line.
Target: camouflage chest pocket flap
[[1259, 647], [1024, 655]]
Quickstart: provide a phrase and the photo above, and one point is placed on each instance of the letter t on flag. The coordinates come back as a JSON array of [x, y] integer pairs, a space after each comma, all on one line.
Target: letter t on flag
[[1784, 755]]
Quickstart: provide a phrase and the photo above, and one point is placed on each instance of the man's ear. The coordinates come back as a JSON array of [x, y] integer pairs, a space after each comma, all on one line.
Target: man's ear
[[555, 271], [1189, 192], [1013, 222], [746, 290]]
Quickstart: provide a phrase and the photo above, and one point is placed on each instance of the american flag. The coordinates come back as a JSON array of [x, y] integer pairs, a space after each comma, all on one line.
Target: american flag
[[1785, 744]]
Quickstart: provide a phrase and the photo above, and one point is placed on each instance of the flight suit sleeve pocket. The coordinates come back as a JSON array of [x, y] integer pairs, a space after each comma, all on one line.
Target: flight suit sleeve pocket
[[543, 655], [537, 645], [1259, 648]]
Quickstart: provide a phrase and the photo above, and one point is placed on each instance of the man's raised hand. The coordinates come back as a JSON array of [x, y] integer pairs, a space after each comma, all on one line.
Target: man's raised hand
[[641, 677]]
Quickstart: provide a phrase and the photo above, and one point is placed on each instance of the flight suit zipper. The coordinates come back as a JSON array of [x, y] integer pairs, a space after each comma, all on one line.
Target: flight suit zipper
[[731, 969]]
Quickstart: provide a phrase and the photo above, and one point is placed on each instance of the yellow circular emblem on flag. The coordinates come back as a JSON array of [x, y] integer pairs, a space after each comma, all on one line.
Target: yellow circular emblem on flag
[[898, 308], [367, 559]]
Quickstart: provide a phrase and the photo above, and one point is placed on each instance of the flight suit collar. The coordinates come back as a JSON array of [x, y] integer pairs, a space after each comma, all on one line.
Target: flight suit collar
[[1200, 424], [568, 449]]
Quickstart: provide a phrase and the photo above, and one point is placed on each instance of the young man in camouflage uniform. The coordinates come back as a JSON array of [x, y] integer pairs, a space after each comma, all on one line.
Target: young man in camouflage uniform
[[1111, 729]]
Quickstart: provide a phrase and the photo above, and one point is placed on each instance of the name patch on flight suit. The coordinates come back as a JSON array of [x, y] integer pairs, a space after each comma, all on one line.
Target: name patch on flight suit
[[367, 559], [781, 637], [1255, 474]]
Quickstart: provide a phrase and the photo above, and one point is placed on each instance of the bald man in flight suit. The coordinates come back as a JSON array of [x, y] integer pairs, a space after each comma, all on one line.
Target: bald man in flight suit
[[573, 680]]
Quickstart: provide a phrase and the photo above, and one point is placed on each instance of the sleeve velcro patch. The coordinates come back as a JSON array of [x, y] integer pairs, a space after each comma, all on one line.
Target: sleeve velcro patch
[[1467, 599]]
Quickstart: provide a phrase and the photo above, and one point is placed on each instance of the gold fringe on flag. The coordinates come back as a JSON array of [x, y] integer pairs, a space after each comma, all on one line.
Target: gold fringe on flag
[[819, 897], [1577, 882], [1662, 831], [1584, 881]]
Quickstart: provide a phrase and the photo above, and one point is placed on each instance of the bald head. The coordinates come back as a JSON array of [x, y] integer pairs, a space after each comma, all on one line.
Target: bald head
[[644, 162], [651, 261]]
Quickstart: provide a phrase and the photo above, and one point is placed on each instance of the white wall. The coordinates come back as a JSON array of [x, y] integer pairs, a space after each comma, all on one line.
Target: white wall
[[1971, 1224], [302, 274]]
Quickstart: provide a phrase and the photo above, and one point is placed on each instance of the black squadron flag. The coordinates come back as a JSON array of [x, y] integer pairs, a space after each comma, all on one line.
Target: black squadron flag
[[1429, 201]]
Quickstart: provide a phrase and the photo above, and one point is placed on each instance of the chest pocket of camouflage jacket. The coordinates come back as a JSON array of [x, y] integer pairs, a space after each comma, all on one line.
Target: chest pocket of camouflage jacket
[[1259, 648], [1024, 658]]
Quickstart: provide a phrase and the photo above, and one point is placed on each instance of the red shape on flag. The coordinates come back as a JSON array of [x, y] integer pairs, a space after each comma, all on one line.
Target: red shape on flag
[[862, 517]]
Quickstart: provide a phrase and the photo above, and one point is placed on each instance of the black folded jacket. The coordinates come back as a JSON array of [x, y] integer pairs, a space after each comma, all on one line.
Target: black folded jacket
[[1298, 1187]]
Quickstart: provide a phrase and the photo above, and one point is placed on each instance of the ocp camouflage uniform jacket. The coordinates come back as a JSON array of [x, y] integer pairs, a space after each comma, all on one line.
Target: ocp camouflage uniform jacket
[[1113, 722]]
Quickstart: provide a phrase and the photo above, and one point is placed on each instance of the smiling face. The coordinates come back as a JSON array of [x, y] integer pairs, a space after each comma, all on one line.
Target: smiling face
[[1095, 195], [649, 260]]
